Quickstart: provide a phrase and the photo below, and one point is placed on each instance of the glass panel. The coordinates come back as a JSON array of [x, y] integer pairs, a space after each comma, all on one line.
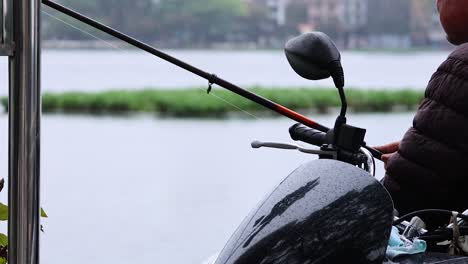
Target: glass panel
[[6, 24], [1, 21]]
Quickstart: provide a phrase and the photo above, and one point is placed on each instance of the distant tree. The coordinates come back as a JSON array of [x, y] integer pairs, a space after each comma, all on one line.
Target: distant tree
[[185, 21], [296, 14], [200, 21], [389, 17], [257, 23], [136, 17]]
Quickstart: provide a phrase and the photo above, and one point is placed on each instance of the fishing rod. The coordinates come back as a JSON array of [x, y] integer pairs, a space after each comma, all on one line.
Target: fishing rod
[[211, 78]]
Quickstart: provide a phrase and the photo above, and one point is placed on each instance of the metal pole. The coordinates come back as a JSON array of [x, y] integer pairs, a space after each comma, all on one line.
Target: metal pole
[[24, 135]]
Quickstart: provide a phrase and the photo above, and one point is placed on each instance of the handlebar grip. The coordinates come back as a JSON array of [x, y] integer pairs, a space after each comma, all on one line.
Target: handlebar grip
[[377, 154], [312, 136]]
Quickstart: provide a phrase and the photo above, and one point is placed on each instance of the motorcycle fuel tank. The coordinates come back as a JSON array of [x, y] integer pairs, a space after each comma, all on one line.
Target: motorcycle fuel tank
[[326, 211]]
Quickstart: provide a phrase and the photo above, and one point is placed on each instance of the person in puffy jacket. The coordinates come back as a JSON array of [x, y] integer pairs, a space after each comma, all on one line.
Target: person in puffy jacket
[[428, 168]]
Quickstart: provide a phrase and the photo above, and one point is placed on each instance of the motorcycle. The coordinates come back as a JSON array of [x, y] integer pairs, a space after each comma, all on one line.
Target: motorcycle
[[333, 210]]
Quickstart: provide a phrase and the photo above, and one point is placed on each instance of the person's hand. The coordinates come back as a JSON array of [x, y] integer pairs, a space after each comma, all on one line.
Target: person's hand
[[388, 151]]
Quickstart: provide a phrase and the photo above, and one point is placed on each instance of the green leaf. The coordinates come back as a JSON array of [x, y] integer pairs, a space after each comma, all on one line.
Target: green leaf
[[2, 184], [43, 213], [3, 261], [3, 240], [3, 212]]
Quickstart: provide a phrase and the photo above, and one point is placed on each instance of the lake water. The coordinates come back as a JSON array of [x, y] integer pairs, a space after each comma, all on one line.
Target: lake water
[[143, 189], [85, 70]]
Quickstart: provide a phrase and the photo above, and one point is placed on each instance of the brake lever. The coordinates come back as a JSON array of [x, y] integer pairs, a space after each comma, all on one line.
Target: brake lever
[[258, 144]]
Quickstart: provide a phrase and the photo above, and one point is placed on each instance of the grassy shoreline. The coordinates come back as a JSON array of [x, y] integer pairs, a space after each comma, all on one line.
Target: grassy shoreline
[[195, 102]]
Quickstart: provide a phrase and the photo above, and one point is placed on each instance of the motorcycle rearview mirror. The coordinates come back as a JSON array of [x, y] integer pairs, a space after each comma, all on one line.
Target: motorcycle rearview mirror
[[314, 56]]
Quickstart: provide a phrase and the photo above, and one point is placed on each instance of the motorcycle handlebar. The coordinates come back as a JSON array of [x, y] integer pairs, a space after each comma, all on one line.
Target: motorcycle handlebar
[[312, 136], [315, 137], [377, 154]]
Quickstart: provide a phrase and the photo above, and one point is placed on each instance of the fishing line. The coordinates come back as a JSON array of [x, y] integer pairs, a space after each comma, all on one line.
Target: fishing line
[[119, 48], [81, 30], [233, 105]]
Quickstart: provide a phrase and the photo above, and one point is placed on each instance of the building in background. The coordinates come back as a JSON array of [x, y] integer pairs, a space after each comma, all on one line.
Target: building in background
[[326, 16], [389, 24], [265, 23], [425, 25], [421, 19], [377, 23], [437, 36], [362, 23], [276, 9], [355, 17]]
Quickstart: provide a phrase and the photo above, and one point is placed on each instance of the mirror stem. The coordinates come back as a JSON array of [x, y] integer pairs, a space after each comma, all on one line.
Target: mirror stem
[[337, 73], [341, 120], [344, 103]]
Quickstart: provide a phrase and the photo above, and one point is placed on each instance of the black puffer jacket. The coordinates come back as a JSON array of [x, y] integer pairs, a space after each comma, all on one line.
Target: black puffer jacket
[[430, 171]]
